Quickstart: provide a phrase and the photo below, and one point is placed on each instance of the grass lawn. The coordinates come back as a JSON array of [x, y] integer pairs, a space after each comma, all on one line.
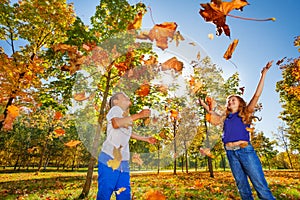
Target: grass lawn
[[194, 185]]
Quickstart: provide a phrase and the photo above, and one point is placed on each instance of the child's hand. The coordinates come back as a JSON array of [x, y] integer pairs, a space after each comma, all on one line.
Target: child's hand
[[151, 140], [145, 113]]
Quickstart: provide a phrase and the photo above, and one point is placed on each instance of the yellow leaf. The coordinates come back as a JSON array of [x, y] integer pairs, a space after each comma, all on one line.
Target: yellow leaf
[[115, 163]]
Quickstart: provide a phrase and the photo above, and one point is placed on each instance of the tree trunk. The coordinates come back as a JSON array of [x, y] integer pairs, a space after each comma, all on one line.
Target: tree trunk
[[42, 155], [175, 147], [92, 162]]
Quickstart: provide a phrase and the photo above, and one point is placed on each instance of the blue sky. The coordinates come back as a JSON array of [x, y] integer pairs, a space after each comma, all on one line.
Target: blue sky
[[259, 42]]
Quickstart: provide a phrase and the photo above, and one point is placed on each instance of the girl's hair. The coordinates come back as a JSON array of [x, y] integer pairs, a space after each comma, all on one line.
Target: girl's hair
[[114, 97], [244, 113]]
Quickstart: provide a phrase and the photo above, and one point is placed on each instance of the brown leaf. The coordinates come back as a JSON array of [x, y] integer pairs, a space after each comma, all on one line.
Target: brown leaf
[[80, 96], [172, 63], [161, 32], [230, 49], [72, 143], [144, 90], [178, 37], [216, 12]]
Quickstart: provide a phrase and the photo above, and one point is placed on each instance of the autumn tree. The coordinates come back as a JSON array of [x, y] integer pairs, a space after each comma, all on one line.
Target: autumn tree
[[29, 27], [289, 92], [264, 147]]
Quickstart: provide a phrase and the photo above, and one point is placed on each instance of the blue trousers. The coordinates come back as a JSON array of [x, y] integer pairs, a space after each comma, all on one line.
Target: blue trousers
[[245, 163], [110, 180]]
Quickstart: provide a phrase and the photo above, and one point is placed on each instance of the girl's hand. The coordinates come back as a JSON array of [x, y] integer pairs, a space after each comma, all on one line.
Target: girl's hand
[[267, 67]]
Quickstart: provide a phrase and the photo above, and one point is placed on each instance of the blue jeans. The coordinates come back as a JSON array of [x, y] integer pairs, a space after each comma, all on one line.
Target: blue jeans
[[110, 180], [245, 163]]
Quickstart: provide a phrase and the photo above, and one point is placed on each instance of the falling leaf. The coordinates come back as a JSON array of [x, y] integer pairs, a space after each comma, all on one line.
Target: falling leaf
[[178, 37], [230, 49], [59, 132], [137, 22], [210, 102], [161, 32], [216, 12], [72, 143], [213, 119], [250, 130], [206, 152], [211, 36], [151, 61], [154, 195], [115, 163], [174, 114], [120, 190], [137, 159], [144, 90], [192, 43], [242, 89], [198, 55], [80, 96], [172, 63], [280, 61], [57, 115]]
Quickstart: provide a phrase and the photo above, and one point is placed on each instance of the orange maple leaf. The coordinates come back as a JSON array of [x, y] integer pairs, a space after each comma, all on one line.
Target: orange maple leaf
[[57, 115], [172, 63], [72, 143], [230, 49], [216, 12], [161, 32], [144, 90], [210, 102]]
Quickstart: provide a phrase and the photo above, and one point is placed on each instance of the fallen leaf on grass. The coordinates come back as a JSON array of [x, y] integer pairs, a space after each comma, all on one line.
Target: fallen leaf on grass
[[154, 195]]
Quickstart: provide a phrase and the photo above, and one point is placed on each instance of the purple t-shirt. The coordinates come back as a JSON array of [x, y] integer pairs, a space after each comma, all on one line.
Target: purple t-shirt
[[234, 129]]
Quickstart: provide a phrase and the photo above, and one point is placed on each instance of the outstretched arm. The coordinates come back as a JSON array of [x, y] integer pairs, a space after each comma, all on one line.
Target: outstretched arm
[[127, 121], [150, 140], [259, 87], [216, 119]]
